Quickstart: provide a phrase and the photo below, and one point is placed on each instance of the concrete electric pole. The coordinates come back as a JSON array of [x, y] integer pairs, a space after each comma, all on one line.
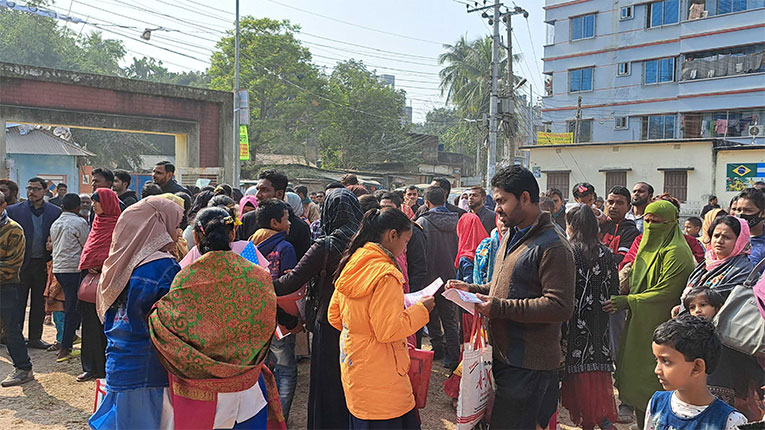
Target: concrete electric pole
[[237, 164]]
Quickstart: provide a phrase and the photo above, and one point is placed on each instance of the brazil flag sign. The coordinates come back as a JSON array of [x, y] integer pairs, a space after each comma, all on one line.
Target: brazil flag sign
[[743, 175]]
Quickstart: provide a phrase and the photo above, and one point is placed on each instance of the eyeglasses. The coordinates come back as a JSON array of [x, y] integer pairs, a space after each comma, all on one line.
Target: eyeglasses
[[34, 189]]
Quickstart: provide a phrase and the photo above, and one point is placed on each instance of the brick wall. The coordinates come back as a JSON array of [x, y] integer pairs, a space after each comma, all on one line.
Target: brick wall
[[53, 95]]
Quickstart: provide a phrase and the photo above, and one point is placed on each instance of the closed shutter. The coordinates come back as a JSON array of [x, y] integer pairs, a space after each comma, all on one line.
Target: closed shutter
[[614, 179], [676, 184], [558, 180]]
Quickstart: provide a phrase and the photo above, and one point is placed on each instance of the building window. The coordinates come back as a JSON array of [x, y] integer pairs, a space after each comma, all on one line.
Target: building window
[[547, 126], [585, 130], [658, 71], [626, 13], [663, 13], [623, 69], [615, 179], [558, 180], [550, 33], [728, 6], [676, 184], [733, 123], [621, 123], [580, 80], [703, 8], [717, 63], [583, 27], [658, 127]]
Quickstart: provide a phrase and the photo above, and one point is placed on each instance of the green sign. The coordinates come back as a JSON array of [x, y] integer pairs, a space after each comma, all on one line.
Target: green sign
[[244, 143]]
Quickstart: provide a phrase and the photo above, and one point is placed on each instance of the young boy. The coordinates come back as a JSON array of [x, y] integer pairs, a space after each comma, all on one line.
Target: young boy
[[272, 217], [692, 226], [703, 303], [687, 349]]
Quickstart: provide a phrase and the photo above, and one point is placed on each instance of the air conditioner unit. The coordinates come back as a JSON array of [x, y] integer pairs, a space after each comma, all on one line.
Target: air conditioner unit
[[757, 130]]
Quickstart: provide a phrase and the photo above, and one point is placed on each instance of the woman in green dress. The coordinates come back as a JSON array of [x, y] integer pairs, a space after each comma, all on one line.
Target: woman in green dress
[[662, 266]]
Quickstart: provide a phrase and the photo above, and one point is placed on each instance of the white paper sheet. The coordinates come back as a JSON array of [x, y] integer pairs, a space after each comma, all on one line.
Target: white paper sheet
[[464, 299], [412, 298]]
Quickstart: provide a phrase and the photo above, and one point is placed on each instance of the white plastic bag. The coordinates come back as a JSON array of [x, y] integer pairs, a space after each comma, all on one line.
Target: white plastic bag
[[477, 383]]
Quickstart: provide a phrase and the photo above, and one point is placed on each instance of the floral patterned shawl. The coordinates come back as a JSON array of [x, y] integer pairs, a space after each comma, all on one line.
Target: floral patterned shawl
[[213, 329]]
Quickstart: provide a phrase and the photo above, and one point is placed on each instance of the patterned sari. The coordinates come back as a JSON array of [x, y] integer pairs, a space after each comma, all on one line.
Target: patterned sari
[[212, 332]]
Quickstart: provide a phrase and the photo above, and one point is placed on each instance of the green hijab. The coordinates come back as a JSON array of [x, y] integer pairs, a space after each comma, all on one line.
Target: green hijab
[[655, 238]]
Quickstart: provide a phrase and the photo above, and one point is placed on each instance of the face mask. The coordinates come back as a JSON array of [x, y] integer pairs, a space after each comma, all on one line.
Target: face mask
[[752, 220]]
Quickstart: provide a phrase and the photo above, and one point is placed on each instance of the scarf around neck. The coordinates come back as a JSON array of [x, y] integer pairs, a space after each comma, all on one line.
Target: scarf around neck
[[741, 247], [96, 248]]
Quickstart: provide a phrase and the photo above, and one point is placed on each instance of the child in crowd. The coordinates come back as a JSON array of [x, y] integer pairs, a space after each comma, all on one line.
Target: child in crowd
[[687, 349], [272, 217], [703, 302], [584, 193], [692, 226]]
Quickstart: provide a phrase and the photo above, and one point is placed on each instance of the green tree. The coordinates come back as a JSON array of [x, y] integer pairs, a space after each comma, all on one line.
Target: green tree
[[362, 127], [151, 69], [114, 149], [284, 85]]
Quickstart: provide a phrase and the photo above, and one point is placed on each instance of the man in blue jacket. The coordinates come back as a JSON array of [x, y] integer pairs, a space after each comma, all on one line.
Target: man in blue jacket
[[35, 216]]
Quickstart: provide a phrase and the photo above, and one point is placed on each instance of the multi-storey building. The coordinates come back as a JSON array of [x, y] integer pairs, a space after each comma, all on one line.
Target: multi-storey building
[[664, 91]]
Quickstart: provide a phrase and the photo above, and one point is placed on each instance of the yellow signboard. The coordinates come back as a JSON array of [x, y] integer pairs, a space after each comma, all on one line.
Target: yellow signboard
[[554, 138], [244, 143]]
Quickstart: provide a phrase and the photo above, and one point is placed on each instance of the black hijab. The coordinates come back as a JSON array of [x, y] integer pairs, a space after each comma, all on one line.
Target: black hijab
[[340, 218]]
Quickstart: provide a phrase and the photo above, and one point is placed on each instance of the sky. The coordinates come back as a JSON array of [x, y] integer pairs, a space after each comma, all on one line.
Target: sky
[[334, 30]]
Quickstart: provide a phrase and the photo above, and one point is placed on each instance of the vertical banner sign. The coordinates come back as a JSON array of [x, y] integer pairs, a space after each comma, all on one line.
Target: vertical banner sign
[[244, 143]]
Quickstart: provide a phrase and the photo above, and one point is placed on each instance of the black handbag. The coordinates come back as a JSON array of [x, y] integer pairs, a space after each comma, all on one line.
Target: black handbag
[[313, 293]]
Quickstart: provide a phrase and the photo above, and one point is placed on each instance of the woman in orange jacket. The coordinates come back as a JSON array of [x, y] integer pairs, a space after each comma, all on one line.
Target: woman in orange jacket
[[368, 308]]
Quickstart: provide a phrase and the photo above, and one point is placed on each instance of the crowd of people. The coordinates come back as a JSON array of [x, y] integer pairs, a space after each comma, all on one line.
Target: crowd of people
[[188, 302]]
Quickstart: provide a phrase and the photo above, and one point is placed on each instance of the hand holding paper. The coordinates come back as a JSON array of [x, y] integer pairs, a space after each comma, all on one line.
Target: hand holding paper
[[412, 298]]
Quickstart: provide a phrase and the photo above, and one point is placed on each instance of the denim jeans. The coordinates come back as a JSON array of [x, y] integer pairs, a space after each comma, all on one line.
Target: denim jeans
[[282, 361], [70, 283], [446, 341], [9, 312]]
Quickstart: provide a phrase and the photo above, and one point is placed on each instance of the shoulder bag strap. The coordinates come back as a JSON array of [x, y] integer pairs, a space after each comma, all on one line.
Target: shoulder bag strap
[[755, 275]]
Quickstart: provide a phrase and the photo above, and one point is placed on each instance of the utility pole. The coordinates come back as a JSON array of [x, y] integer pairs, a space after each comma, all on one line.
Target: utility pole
[[578, 119], [237, 164], [530, 137]]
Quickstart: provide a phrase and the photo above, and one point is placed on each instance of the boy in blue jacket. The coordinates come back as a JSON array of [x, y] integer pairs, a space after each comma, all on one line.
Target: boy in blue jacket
[[272, 217]]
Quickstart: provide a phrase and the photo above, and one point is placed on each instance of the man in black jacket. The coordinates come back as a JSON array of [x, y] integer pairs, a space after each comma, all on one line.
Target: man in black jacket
[[273, 185], [164, 176], [440, 227], [445, 185], [120, 186]]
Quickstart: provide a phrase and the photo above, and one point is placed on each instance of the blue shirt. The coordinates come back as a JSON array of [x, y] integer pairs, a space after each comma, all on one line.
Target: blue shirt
[[758, 248], [131, 361], [38, 241], [517, 236]]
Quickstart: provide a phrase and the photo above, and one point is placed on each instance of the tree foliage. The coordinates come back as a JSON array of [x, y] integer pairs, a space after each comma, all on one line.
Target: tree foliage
[[363, 127]]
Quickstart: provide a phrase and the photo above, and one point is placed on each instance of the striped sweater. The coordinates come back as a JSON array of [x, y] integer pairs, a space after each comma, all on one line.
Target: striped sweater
[[12, 248]]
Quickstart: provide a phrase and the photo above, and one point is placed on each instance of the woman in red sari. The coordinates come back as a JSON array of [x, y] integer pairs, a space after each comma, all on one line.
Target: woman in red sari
[[212, 332]]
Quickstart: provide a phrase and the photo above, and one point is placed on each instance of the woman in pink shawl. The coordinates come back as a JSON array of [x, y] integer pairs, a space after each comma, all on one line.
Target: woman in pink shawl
[[106, 205], [726, 264]]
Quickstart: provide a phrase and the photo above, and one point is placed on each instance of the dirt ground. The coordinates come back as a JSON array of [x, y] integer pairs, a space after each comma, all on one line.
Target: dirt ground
[[55, 400]]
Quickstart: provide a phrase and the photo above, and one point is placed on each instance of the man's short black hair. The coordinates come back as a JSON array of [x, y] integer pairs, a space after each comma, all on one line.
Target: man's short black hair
[[515, 180], [278, 179], [480, 189], [71, 202], [712, 198], [621, 191], [40, 181], [169, 167], [756, 196], [150, 189], [395, 198], [301, 189], [693, 337], [435, 195], [123, 176], [413, 187], [13, 187], [62, 185], [650, 187], [105, 173], [444, 183], [269, 209], [696, 221], [555, 192]]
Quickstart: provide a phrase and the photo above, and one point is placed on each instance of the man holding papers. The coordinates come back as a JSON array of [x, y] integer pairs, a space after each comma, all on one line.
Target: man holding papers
[[530, 295]]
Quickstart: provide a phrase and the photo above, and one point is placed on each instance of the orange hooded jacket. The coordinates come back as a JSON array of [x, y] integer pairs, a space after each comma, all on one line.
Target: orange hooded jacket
[[368, 308]]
